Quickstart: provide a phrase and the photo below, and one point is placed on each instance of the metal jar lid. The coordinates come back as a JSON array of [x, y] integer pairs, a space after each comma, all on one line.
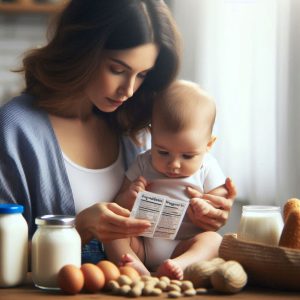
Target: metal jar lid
[[58, 220]]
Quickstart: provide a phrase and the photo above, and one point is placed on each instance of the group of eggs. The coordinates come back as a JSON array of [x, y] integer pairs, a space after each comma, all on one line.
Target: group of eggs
[[91, 277]]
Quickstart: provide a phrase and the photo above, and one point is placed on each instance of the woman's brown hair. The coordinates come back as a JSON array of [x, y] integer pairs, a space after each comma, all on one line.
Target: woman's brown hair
[[84, 29]]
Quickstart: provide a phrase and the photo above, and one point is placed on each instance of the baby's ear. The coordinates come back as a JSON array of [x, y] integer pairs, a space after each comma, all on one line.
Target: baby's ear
[[211, 142]]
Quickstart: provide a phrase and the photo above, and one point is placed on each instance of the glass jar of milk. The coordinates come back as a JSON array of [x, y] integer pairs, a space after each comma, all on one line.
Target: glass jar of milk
[[260, 223], [13, 245], [55, 243]]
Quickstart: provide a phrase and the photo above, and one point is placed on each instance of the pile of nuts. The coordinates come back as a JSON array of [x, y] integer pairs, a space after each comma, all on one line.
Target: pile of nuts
[[222, 276], [152, 286]]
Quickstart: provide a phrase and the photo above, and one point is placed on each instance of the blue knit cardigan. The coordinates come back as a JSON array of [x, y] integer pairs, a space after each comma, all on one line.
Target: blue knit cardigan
[[32, 170]]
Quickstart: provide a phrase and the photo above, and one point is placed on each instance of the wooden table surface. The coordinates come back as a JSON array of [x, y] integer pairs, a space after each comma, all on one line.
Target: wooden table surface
[[29, 292]]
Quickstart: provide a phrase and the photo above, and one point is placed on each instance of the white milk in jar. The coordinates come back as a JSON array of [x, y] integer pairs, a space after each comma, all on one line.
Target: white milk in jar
[[260, 223], [55, 243], [13, 245]]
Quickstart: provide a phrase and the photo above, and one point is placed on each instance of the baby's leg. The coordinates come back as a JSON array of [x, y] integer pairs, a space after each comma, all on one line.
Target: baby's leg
[[203, 246], [127, 252]]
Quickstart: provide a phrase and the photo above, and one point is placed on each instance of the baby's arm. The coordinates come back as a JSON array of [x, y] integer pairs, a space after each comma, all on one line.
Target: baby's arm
[[129, 190]]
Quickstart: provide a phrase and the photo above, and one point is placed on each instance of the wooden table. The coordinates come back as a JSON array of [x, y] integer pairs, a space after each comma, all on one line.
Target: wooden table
[[29, 292]]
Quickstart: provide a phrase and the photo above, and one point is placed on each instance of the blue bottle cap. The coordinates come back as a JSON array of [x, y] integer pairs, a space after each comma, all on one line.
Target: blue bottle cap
[[7, 208]]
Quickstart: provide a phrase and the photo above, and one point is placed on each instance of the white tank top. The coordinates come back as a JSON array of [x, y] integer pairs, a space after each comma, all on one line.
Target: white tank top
[[90, 186]]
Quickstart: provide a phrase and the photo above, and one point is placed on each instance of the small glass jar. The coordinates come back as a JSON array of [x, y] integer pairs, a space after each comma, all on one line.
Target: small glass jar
[[55, 243], [13, 245], [261, 224]]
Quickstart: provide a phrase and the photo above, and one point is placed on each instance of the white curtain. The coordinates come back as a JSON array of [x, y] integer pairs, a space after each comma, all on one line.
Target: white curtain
[[245, 53]]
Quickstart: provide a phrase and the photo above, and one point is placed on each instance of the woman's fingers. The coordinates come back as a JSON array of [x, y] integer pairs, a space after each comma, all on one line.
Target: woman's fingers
[[108, 221], [209, 211], [112, 230], [202, 207], [119, 216], [231, 188], [218, 201], [206, 216], [193, 193], [205, 223], [128, 226], [211, 224], [117, 220], [118, 210]]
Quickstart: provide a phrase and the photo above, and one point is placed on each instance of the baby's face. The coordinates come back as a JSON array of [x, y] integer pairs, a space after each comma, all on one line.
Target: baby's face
[[178, 155]]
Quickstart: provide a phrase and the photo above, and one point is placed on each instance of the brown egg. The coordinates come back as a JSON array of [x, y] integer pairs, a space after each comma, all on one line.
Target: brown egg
[[130, 272], [70, 279], [94, 279], [109, 269]]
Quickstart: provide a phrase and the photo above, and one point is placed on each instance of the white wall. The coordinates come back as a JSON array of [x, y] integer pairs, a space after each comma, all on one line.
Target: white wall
[[18, 32], [262, 152]]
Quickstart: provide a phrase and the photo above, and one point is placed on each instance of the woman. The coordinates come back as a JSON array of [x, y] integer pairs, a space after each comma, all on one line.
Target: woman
[[67, 140]]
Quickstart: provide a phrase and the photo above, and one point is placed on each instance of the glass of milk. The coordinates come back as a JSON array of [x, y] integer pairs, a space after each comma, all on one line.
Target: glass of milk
[[261, 224]]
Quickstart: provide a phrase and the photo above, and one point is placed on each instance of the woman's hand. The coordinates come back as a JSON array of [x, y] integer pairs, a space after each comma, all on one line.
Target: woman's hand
[[209, 211], [108, 221]]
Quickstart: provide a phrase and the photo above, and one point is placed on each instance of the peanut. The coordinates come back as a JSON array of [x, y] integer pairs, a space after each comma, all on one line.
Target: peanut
[[165, 278], [113, 286], [135, 291], [161, 285], [124, 279], [174, 294], [186, 285], [201, 291], [230, 277], [173, 287], [156, 292], [124, 289], [189, 292], [199, 273]]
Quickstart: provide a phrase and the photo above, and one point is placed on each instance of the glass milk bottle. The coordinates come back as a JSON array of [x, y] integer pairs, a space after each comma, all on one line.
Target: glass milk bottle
[[55, 243], [260, 223], [13, 245]]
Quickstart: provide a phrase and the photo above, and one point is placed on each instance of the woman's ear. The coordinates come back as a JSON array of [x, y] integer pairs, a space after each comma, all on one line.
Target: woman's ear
[[211, 142]]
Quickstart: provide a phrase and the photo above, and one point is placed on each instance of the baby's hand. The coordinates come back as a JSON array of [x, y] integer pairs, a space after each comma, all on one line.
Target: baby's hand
[[210, 211], [201, 213], [129, 191], [199, 207], [138, 185], [135, 187]]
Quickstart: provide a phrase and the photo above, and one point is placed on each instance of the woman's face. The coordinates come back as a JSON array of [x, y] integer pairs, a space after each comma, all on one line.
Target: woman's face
[[120, 74]]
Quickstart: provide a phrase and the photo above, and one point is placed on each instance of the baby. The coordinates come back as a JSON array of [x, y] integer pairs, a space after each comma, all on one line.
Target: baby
[[181, 134]]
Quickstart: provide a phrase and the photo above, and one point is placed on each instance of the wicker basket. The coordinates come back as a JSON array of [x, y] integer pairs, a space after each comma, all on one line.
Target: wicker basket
[[267, 266]]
